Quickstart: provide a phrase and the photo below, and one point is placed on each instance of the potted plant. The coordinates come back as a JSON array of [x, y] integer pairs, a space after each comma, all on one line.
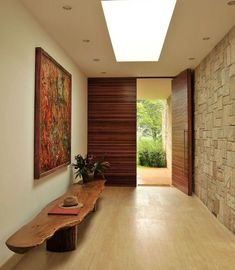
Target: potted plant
[[88, 167], [100, 167]]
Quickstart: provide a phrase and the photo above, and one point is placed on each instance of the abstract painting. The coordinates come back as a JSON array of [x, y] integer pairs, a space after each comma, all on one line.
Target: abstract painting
[[52, 136]]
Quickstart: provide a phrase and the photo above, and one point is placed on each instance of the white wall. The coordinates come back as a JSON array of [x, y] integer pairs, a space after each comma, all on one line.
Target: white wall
[[20, 196]]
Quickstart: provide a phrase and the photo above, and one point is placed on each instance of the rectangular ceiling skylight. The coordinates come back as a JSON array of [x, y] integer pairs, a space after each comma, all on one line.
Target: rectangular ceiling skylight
[[138, 28]]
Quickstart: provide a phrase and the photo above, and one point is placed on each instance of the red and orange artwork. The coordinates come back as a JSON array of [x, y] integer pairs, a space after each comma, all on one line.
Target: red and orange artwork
[[52, 115]]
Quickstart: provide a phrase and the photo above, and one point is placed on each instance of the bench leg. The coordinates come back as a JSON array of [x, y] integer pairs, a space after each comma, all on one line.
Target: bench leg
[[95, 208], [63, 240]]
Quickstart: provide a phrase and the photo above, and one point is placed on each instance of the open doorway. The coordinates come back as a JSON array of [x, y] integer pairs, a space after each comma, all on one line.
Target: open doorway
[[154, 132]]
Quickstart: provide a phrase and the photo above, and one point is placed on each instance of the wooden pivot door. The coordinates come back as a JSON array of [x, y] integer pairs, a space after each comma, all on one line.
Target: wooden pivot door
[[182, 131], [112, 126]]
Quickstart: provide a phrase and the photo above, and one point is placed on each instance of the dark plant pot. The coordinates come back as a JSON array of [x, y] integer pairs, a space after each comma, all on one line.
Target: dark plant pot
[[98, 176], [88, 177]]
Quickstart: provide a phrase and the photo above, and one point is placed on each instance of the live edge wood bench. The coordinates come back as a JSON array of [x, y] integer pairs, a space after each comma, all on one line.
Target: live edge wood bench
[[59, 231]]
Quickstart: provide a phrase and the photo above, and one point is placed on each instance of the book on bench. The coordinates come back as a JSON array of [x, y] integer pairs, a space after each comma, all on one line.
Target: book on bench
[[58, 210]]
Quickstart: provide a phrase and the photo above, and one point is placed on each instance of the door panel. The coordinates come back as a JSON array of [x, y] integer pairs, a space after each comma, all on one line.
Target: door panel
[[112, 126], [182, 131]]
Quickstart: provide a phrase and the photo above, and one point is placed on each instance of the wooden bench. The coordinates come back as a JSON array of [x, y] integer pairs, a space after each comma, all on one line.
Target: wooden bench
[[59, 231]]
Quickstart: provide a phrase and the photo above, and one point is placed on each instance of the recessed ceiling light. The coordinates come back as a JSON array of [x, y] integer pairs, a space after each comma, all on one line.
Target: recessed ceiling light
[[231, 3], [86, 40], [206, 38], [96, 59], [138, 29], [191, 58], [67, 7]]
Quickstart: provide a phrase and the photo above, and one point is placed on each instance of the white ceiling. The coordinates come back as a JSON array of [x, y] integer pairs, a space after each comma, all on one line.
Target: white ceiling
[[192, 20]]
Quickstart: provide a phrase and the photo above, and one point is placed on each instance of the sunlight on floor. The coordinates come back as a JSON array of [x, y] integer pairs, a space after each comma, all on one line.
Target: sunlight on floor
[[153, 176]]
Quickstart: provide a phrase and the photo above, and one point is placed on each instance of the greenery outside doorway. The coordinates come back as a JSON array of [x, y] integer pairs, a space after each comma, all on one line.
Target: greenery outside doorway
[[151, 143]]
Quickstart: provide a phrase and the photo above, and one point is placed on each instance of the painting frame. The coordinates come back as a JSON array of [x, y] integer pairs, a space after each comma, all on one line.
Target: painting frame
[[52, 123]]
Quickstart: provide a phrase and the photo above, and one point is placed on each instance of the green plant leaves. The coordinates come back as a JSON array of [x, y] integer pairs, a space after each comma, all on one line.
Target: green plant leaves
[[88, 165]]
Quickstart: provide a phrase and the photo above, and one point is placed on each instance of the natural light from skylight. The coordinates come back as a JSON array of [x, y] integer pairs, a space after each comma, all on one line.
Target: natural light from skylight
[[138, 28]]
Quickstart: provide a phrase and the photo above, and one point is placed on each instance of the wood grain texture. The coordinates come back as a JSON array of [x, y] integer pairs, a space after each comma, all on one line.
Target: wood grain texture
[[182, 132], [112, 126], [44, 226]]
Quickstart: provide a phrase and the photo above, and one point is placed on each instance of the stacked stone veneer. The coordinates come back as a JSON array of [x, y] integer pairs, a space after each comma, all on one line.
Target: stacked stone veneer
[[215, 131]]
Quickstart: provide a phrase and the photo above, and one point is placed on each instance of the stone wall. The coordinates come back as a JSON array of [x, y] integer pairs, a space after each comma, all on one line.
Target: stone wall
[[215, 131]]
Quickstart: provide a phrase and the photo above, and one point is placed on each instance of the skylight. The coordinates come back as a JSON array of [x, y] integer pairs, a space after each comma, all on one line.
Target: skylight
[[138, 28]]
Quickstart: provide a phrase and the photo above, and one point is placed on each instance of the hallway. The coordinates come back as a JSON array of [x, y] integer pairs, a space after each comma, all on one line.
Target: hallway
[[155, 228]]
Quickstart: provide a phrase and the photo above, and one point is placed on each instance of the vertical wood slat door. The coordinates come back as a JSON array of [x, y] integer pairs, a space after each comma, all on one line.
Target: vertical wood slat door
[[182, 131], [112, 126]]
